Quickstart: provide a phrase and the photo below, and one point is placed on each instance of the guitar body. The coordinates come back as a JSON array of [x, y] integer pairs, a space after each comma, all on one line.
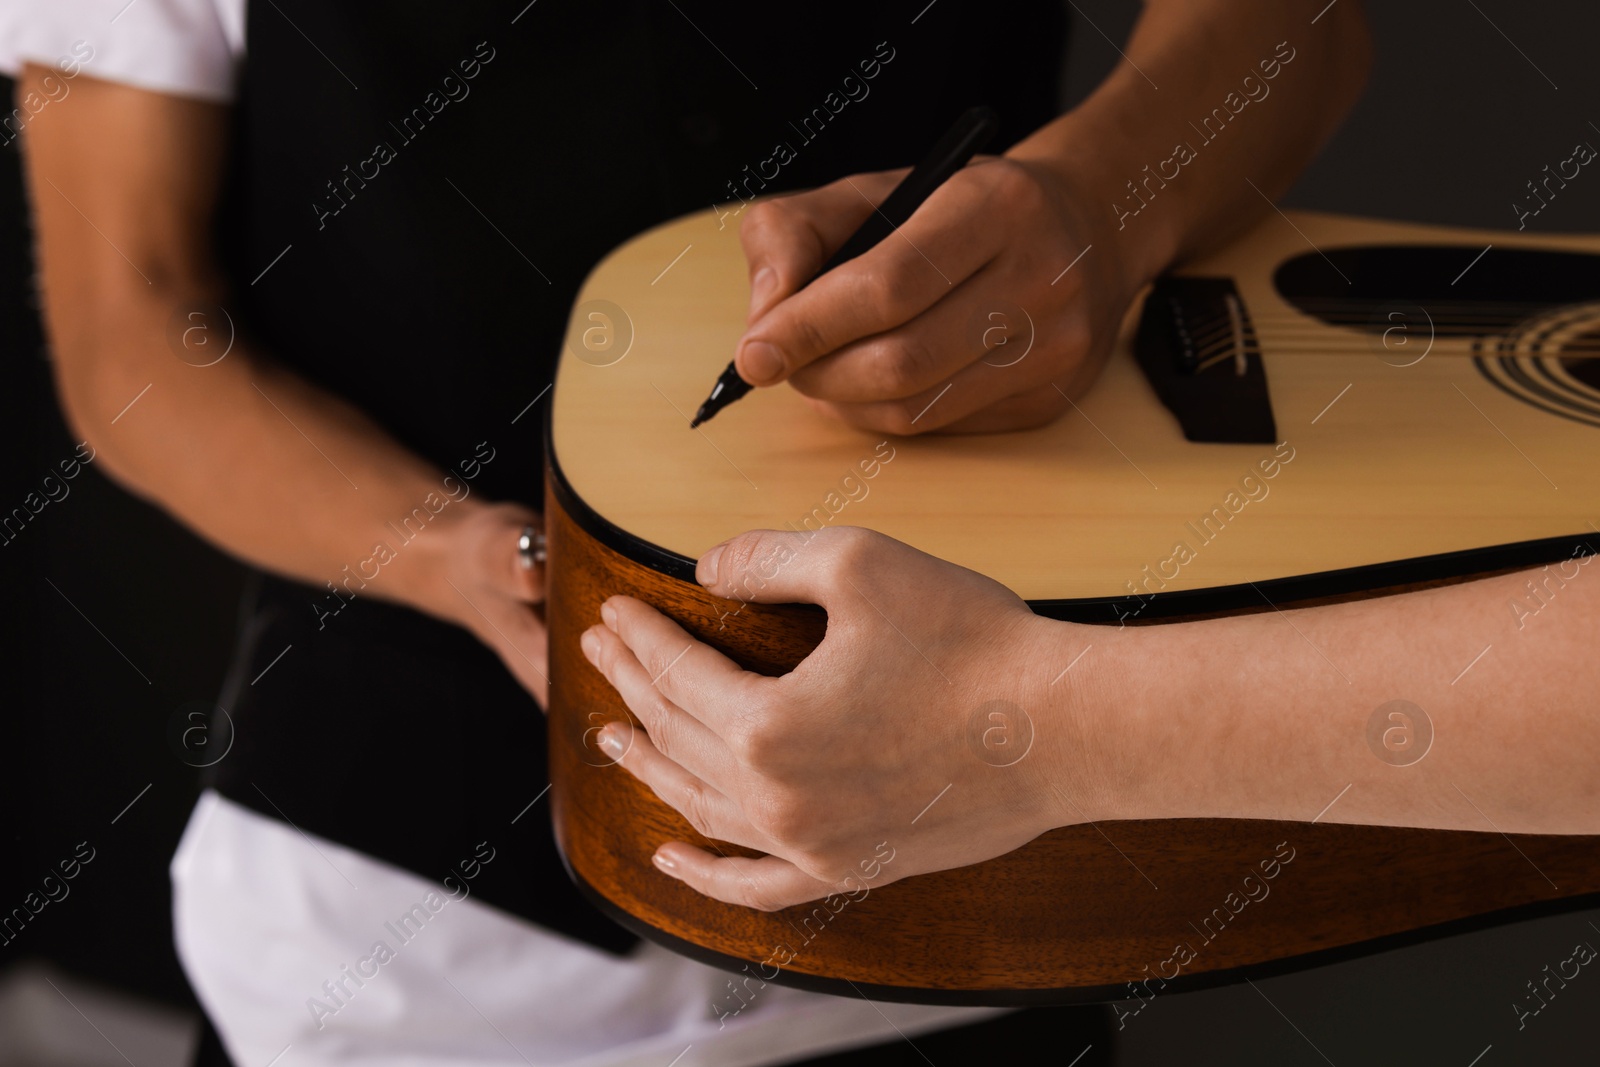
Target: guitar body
[[1420, 429]]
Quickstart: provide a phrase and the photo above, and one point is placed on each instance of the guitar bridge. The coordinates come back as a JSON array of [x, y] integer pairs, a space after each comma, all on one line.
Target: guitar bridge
[[1201, 355]]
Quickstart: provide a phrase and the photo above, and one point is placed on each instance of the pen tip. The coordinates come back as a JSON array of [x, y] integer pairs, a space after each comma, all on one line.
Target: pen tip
[[696, 421]]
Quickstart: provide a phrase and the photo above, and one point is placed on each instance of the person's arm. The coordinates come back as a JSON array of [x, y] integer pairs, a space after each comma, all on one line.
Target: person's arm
[[123, 183], [1273, 715], [941, 715], [1218, 106]]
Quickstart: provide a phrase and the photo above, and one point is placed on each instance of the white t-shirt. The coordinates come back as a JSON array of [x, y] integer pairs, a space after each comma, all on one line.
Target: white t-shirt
[[271, 923], [187, 47]]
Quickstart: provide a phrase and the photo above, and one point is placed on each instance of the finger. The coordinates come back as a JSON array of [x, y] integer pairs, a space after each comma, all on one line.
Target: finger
[[787, 239], [525, 653], [501, 534], [704, 807], [974, 388], [889, 284], [675, 733], [529, 587], [914, 357], [766, 884], [517, 634], [526, 583], [692, 675], [784, 567]]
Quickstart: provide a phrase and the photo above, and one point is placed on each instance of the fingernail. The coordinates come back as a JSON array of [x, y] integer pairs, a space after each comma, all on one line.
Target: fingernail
[[705, 572], [610, 743], [665, 862], [761, 287], [591, 645], [761, 362], [608, 615]]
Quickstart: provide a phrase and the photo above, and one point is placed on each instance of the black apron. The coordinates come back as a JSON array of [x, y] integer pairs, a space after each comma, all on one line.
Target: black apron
[[416, 193]]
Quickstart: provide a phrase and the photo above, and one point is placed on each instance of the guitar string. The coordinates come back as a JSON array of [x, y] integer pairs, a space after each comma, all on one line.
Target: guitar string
[[1316, 345]]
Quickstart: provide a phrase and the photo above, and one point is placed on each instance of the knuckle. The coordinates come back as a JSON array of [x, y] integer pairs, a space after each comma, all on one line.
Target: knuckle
[[851, 566], [659, 661], [775, 816], [761, 898], [847, 544], [606, 661], [1015, 182], [1074, 337], [798, 819], [663, 733], [693, 806], [757, 736], [899, 365], [849, 551], [876, 286], [744, 739], [822, 867], [808, 337], [764, 221], [738, 564]]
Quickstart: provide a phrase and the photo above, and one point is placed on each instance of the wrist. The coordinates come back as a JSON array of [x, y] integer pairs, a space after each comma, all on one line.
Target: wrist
[[1091, 159], [469, 560], [431, 562], [1094, 735]]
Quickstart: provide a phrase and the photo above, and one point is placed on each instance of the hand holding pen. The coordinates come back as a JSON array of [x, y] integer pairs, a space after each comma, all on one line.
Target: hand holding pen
[[898, 331], [763, 361]]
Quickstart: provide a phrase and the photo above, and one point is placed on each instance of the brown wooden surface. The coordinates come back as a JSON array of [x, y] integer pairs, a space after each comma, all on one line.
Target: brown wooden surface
[[1068, 911]]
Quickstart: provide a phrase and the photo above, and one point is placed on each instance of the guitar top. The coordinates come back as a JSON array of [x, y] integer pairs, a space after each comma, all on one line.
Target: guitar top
[[1397, 403]]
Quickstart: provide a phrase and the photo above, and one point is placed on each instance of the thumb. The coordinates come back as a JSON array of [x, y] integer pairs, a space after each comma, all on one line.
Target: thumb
[[787, 239], [787, 567]]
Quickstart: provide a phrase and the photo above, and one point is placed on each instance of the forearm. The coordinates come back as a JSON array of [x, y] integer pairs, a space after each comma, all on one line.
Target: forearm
[[1212, 97], [1274, 715], [122, 185], [249, 455]]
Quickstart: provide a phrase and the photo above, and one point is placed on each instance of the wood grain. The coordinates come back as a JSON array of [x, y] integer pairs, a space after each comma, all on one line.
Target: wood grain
[[1075, 914]]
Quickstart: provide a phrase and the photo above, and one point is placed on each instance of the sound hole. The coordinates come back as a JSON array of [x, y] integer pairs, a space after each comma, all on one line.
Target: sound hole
[[1505, 285], [1532, 315]]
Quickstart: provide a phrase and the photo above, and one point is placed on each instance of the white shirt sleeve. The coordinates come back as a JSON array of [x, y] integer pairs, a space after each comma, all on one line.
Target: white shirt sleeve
[[185, 47]]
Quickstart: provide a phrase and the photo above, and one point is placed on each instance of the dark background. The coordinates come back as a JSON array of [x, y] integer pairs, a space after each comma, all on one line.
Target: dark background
[[1455, 120]]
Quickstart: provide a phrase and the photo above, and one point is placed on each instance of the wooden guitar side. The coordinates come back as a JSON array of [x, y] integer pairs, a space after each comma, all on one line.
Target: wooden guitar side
[[1081, 912], [1072, 916]]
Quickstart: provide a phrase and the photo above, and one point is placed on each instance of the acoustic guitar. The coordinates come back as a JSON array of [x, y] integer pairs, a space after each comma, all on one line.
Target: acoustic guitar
[[1429, 402]]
